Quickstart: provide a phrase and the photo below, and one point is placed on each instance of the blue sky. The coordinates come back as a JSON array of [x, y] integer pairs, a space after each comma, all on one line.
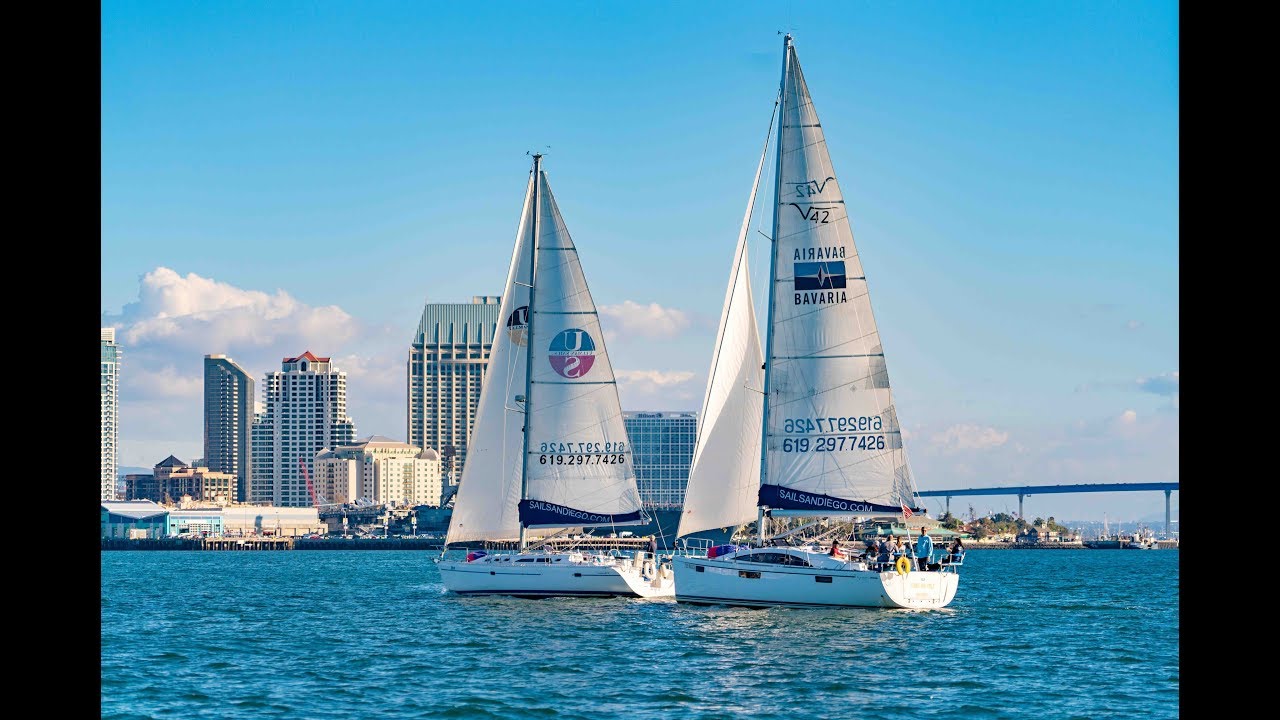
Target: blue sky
[[278, 177]]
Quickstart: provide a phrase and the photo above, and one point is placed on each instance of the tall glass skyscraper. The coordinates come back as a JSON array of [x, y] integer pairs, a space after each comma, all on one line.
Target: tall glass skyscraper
[[662, 446], [110, 412], [446, 370], [228, 421]]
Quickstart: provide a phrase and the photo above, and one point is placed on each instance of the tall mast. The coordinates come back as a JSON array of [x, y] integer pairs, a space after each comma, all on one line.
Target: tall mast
[[773, 266], [528, 355]]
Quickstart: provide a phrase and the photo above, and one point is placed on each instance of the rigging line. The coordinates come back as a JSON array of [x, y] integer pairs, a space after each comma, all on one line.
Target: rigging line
[[805, 229], [815, 356], [806, 146]]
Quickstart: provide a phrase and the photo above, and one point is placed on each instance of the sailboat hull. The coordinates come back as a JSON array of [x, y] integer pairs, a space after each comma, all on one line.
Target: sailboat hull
[[703, 581], [557, 575]]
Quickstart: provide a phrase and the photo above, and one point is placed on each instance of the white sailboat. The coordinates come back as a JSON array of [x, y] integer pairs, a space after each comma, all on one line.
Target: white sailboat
[[549, 450], [823, 439]]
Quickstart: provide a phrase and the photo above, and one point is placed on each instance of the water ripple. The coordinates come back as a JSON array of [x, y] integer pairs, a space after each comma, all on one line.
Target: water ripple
[[353, 634]]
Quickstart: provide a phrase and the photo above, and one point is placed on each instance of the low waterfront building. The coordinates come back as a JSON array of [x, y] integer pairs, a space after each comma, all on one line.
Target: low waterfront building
[[195, 522], [240, 520], [133, 519]]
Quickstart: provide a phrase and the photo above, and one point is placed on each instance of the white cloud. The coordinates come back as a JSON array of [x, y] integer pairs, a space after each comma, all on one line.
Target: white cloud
[[178, 319], [657, 389], [1133, 325], [652, 320], [1128, 417], [653, 378], [179, 310], [970, 437], [165, 383], [382, 372]]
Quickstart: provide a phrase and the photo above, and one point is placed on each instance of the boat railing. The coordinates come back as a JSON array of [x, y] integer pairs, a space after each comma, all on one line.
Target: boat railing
[[693, 547], [951, 562]]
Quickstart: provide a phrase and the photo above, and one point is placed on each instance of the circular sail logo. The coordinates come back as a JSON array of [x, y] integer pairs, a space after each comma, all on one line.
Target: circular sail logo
[[518, 325], [572, 353]]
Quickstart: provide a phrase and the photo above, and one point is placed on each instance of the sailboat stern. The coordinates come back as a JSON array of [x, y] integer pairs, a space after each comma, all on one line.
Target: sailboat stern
[[919, 590]]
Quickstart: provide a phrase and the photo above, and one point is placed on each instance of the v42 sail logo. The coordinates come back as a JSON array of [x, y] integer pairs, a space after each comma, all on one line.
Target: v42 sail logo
[[572, 353], [518, 325]]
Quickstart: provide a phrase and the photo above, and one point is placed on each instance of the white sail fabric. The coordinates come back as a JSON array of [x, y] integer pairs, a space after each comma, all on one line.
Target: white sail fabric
[[724, 476], [580, 468], [834, 444], [489, 490]]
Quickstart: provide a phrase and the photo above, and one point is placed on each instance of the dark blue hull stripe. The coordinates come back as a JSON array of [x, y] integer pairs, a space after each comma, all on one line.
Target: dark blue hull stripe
[[782, 498], [537, 513], [546, 593], [700, 600]]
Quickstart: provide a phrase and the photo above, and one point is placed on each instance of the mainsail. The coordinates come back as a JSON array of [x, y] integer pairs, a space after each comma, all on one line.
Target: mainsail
[[485, 507], [834, 446], [579, 467], [725, 472]]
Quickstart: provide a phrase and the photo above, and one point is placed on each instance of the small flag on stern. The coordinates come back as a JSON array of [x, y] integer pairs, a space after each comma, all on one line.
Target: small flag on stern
[[906, 512]]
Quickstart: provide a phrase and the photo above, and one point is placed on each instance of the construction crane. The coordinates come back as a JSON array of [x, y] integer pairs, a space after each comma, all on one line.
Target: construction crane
[[317, 501], [310, 488]]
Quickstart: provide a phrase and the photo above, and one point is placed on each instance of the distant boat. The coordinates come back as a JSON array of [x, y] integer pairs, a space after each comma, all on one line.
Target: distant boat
[[549, 450], [823, 439], [1143, 539]]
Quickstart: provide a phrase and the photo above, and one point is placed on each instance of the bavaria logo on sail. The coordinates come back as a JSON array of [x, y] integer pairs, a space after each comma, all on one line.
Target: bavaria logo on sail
[[823, 282], [572, 353]]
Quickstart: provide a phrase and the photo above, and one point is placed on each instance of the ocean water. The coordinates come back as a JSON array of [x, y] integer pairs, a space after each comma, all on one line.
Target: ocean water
[[373, 634]]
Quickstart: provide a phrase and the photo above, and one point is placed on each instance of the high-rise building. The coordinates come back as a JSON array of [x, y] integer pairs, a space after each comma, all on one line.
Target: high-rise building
[[380, 470], [228, 421], [662, 449], [446, 370], [305, 412], [110, 412]]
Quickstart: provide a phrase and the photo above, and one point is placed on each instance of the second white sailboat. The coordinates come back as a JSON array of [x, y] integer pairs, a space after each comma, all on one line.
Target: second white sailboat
[[824, 439]]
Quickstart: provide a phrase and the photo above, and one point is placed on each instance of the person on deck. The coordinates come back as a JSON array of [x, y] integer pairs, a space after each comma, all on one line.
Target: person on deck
[[835, 551], [955, 554], [924, 550], [886, 553], [899, 548]]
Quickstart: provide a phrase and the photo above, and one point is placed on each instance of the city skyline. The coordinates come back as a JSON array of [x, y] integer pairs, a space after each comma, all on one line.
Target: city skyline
[[1017, 213]]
